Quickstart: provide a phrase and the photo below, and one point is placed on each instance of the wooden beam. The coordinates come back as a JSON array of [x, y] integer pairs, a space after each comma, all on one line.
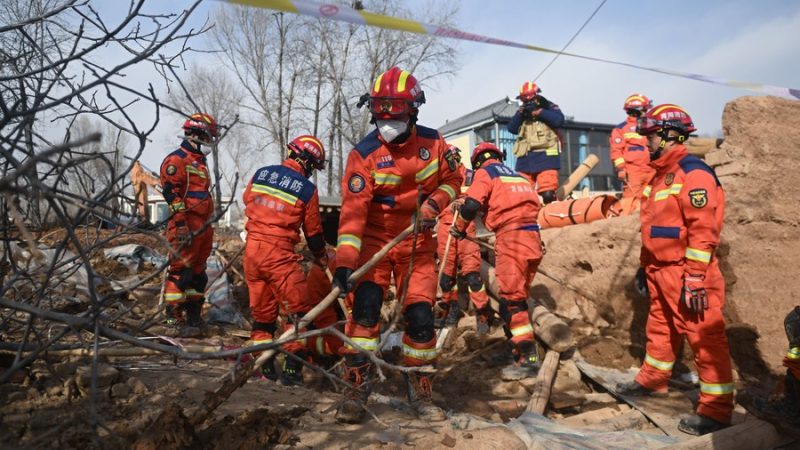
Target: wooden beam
[[544, 383], [752, 434]]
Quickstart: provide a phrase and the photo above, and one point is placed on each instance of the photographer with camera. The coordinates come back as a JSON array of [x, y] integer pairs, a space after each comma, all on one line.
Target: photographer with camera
[[538, 147]]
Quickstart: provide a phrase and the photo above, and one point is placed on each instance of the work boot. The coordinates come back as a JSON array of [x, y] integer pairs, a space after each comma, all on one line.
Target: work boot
[[699, 425], [482, 318], [420, 392], [784, 406], [194, 311], [292, 374], [634, 389], [268, 370], [441, 317], [174, 315], [453, 314], [357, 369], [527, 364]]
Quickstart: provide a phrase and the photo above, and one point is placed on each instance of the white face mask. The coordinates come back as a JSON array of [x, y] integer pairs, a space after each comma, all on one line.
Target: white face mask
[[390, 129]]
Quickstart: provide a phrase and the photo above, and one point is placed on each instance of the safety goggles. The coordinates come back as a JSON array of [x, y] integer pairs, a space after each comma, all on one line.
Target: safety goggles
[[385, 106], [646, 125]]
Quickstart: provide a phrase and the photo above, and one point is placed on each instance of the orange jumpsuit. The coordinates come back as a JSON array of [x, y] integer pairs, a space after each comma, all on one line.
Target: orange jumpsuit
[[629, 153], [379, 196], [319, 286], [513, 207], [185, 181], [279, 200], [464, 254], [682, 213]]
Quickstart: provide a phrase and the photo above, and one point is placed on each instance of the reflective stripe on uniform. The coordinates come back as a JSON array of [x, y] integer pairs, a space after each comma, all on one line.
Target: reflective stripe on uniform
[[619, 162], [198, 172], [429, 170], [793, 353], [369, 344], [666, 366], [646, 191], [261, 341], [386, 178], [632, 135], [424, 354], [716, 388], [276, 193], [349, 239], [698, 255], [519, 180], [173, 296], [179, 206], [522, 330], [553, 151], [320, 345], [675, 189], [450, 191]]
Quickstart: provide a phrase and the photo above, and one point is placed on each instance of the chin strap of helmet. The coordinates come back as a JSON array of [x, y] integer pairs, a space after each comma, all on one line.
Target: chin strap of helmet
[[663, 133]]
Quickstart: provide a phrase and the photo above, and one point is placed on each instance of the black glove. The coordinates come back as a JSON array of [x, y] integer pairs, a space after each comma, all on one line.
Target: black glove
[[447, 282], [458, 234], [792, 326], [640, 282], [694, 292], [341, 280], [474, 281]]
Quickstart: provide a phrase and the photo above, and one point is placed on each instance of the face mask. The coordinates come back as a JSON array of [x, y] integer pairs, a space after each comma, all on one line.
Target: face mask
[[390, 129]]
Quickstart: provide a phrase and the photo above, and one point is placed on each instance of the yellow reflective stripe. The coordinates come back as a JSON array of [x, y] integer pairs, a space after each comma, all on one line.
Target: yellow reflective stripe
[[179, 206], [429, 170], [553, 151], [377, 86], [191, 291], [369, 344], [793, 353], [349, 239], [320, 345], [662, 195], [619, 162], [646, 191], [464, 189], [675, 189], [198, 172], [716, 388], [698, 255], [173, 296], [521, 331], [311, 139], [658, 364], [451, 193], [401, 82], [632, 135], [276, 193], [386, 178], [261, 341], [425, 354], [513, 180]]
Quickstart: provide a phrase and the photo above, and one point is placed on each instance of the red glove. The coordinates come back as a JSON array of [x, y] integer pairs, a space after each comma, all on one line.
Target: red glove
[[456, 205], [429, 212], [694, 292]]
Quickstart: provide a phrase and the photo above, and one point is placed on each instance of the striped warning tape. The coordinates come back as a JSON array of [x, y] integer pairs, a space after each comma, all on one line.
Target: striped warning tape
[[346, 14]]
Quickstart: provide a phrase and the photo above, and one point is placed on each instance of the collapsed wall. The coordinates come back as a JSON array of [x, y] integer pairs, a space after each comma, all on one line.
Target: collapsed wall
[[759, 252]]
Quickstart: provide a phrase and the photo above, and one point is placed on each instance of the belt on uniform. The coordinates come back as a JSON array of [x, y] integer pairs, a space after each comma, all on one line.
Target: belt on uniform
[[197, 194], [532, 227]]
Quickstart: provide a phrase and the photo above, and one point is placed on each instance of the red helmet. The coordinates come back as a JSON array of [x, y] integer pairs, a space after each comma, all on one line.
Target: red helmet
[[395, 93], [665, 117], [484, 151], [309, 148], [637, 102], [201, 124], [528, 91]]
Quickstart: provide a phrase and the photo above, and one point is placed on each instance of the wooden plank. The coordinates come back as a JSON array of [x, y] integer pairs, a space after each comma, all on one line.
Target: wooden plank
[[752, 434], [544, 383], [596, 416]]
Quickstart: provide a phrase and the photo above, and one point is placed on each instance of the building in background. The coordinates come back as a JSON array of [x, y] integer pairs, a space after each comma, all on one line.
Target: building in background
[[578, 140]]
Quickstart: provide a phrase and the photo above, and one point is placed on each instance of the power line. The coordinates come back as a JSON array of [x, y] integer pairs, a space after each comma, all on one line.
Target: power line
[[570, 41]]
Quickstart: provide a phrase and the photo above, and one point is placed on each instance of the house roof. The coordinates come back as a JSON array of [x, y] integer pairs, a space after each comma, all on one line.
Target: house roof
[[502, 109]]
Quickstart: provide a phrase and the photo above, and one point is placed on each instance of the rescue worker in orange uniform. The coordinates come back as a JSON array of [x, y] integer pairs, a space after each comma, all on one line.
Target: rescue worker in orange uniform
[[185, 181], [379, 200], [511, 211], [538, 147], [279, 201], [324, 347], [681, 213], [462, 260], [783, 406], [629, 150]]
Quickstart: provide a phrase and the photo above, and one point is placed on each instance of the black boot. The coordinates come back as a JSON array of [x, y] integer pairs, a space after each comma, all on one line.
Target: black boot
[[699, 425], [483, 318], [173, 315], [268, 370], [420, 393], [634, 389], [357, 369], [453, 314], [527, 364], [194, 311], [292, 374]]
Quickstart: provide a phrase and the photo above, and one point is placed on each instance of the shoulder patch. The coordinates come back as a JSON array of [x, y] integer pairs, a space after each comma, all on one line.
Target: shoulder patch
[[691, 162], [171, 169], [698, 197], [369, 144], [356, 184], [427, 133]]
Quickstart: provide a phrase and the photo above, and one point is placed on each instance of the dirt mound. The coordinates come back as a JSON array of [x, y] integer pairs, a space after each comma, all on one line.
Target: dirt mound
[[759, 247]]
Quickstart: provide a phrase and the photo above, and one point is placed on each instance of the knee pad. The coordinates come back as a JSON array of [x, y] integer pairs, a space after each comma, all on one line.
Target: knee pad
[[548, 196], [419, 322], [474, 281], [367, 304], [181, 278], [199, 281], [510, 307]]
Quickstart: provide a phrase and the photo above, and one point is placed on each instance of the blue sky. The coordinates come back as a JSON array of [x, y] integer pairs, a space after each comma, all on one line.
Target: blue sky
[[742, 40]]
